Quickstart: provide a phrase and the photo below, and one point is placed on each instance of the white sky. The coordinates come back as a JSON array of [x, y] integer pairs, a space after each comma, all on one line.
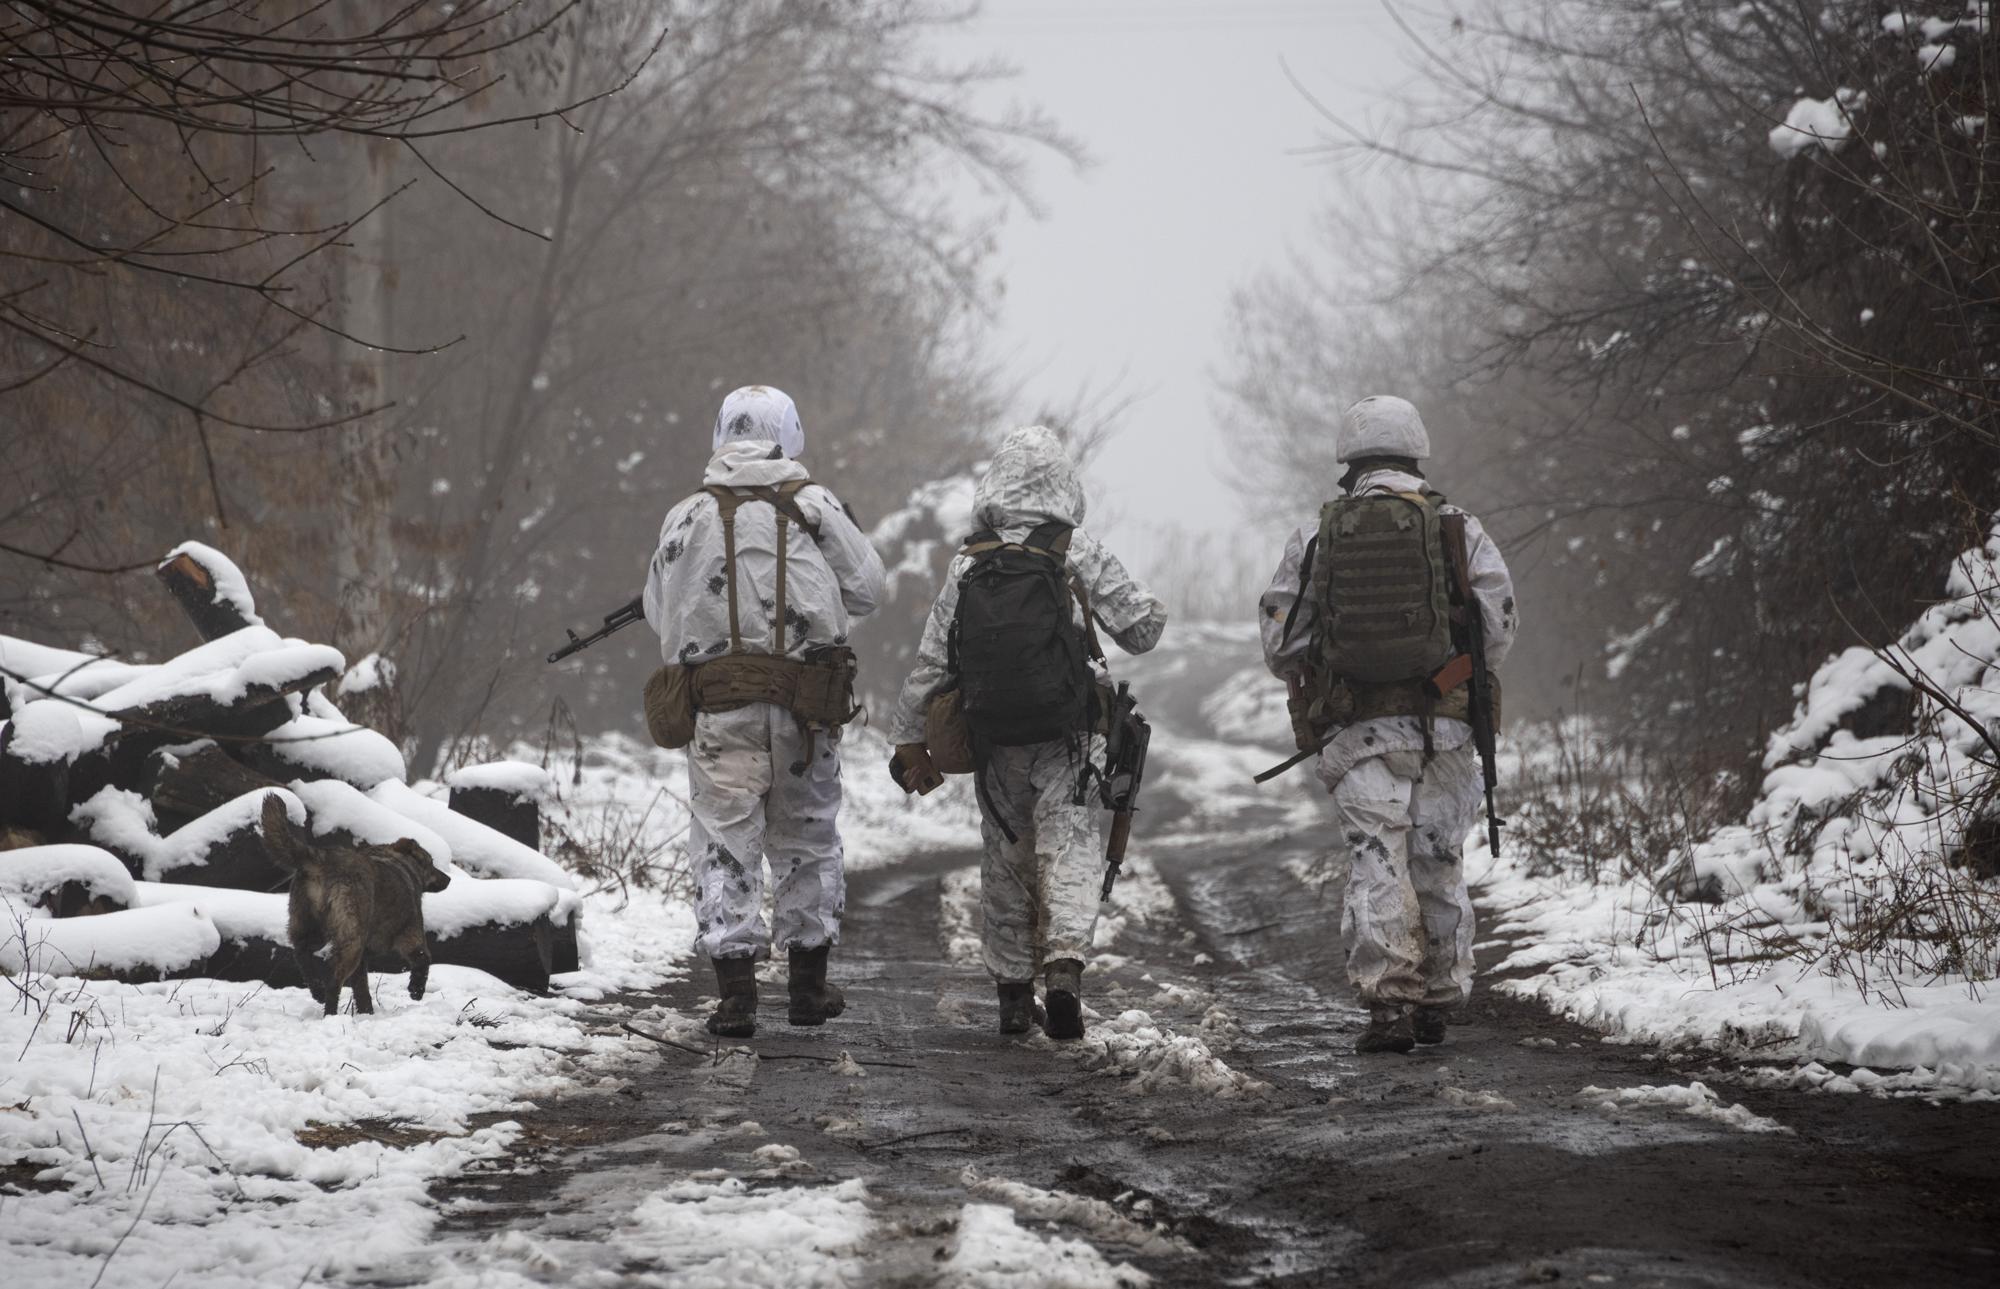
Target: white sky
[[1125, 283]]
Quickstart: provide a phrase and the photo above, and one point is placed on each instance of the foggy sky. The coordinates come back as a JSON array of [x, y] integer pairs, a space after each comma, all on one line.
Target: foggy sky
[[1125, 283]]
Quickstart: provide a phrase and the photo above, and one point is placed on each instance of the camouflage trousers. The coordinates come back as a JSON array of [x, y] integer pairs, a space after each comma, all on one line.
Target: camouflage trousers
[[1038, 893], [1407, 922], [754, 793]]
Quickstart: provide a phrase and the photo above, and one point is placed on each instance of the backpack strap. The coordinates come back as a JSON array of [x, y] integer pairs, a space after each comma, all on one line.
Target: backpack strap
[[980, 543], [1305, 586], [1052, 539]]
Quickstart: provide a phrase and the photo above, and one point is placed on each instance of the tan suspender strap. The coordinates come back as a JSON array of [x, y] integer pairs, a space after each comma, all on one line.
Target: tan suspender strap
[[783, 499], [778, 624], [726, 502]]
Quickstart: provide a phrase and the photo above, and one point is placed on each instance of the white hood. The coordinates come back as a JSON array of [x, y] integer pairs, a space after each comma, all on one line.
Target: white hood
[[751, 463], [1383, 426], [1032, 480], [761, 413]]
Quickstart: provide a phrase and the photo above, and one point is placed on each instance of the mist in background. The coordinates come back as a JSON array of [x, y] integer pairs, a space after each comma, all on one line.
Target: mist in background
[[1198, 179]]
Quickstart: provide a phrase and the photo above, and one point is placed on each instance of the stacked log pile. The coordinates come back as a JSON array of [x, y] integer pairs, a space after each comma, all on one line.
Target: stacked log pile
[[131, 797]]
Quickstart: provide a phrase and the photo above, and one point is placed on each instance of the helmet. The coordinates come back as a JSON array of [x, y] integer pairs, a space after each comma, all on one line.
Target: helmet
[[1383, 426]]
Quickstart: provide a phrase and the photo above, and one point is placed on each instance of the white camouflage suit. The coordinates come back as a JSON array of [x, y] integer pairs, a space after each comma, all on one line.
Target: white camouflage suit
[[1038, 893], [1406, 924], [751, 789]]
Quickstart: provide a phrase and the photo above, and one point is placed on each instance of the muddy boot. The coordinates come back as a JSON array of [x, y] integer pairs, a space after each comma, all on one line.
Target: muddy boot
[[1429, 1024], [1065, 1000], [736, 1015], [1388, 1031], [1017, 1007], [814, 1002]]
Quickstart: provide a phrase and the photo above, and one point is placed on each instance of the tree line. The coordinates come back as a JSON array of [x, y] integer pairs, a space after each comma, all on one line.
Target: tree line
[[1703, 303], [422, 312]]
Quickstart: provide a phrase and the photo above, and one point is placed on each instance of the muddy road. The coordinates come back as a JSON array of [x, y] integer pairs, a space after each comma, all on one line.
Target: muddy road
[[1229, 1135]]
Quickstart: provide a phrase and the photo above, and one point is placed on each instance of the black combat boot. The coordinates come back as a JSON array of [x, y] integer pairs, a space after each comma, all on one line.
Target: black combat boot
[[1065, 1000], [814, 1002], [736, 1015], [1017, 1007], [1429, 1024], [1388, 1030]]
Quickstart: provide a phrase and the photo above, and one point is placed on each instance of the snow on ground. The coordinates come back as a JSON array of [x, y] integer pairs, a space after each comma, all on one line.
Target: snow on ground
[[1840, 921], [994, 1252], [225, 1133], [1151, 1057], [721, 1232], [1694, 1100]]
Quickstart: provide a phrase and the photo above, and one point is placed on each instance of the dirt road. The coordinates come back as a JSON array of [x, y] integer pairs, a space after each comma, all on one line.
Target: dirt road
[[1476, 1163]]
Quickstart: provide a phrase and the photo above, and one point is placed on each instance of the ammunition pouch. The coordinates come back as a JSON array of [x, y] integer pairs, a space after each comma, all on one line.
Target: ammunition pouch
[[669, 706], [946, 735]]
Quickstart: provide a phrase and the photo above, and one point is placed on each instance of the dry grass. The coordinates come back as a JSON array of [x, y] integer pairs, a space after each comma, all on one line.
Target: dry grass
[[388, 1132]]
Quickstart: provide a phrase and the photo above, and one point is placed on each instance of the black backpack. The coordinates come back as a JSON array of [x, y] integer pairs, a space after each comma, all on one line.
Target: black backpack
[[1021, 658]]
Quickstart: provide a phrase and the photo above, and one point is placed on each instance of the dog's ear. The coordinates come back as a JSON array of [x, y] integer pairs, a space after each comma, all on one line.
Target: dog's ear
[[418, 861], [276, 825]]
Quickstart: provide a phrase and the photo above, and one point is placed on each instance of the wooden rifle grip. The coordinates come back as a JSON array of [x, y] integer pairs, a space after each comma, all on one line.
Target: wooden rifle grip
[[1121, 836]]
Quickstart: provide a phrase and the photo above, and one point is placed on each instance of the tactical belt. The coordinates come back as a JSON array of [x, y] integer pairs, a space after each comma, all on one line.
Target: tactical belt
[[817, 691]]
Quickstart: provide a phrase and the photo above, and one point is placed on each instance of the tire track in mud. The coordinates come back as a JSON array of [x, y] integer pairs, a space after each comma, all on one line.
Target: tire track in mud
[[1476, 1163]]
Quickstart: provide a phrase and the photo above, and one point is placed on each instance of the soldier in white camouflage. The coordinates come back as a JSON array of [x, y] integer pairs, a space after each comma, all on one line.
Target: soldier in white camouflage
[[1406, 783], [760, 784], [1043, 861]]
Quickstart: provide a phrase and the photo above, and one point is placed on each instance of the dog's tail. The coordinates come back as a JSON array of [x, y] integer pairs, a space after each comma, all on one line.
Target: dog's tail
[[283, 846]]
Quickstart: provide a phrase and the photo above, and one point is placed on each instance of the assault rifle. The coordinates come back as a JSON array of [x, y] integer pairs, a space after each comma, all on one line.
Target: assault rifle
[[1471, 623], [619, 618], [1125, 742]]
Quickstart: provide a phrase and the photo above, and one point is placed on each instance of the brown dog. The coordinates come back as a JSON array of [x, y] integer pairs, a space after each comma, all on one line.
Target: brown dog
[[359, 900]]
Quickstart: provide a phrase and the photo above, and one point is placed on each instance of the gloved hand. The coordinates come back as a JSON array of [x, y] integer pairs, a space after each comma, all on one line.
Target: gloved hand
[[912, 770]]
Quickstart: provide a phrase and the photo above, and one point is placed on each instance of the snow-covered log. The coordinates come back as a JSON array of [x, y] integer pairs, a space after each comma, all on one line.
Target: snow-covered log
[[24, 663], [66, 881], [34, 766], [211, 590], [490, 853], [503, 795], [224, 847], [474, 846], [321, 743], [242, 702], [188, 782], [507, 929], [132, 945]]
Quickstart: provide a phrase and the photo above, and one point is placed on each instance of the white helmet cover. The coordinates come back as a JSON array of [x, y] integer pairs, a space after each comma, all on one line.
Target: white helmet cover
[[761, 412], [1383, 426]]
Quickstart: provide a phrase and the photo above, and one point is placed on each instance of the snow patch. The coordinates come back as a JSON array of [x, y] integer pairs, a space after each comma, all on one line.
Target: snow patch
[[993, 1252], [1694, 1099], [1814, 122]]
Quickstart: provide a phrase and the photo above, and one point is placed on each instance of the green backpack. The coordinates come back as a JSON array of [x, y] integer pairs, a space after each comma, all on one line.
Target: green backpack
[[1380, 584]]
